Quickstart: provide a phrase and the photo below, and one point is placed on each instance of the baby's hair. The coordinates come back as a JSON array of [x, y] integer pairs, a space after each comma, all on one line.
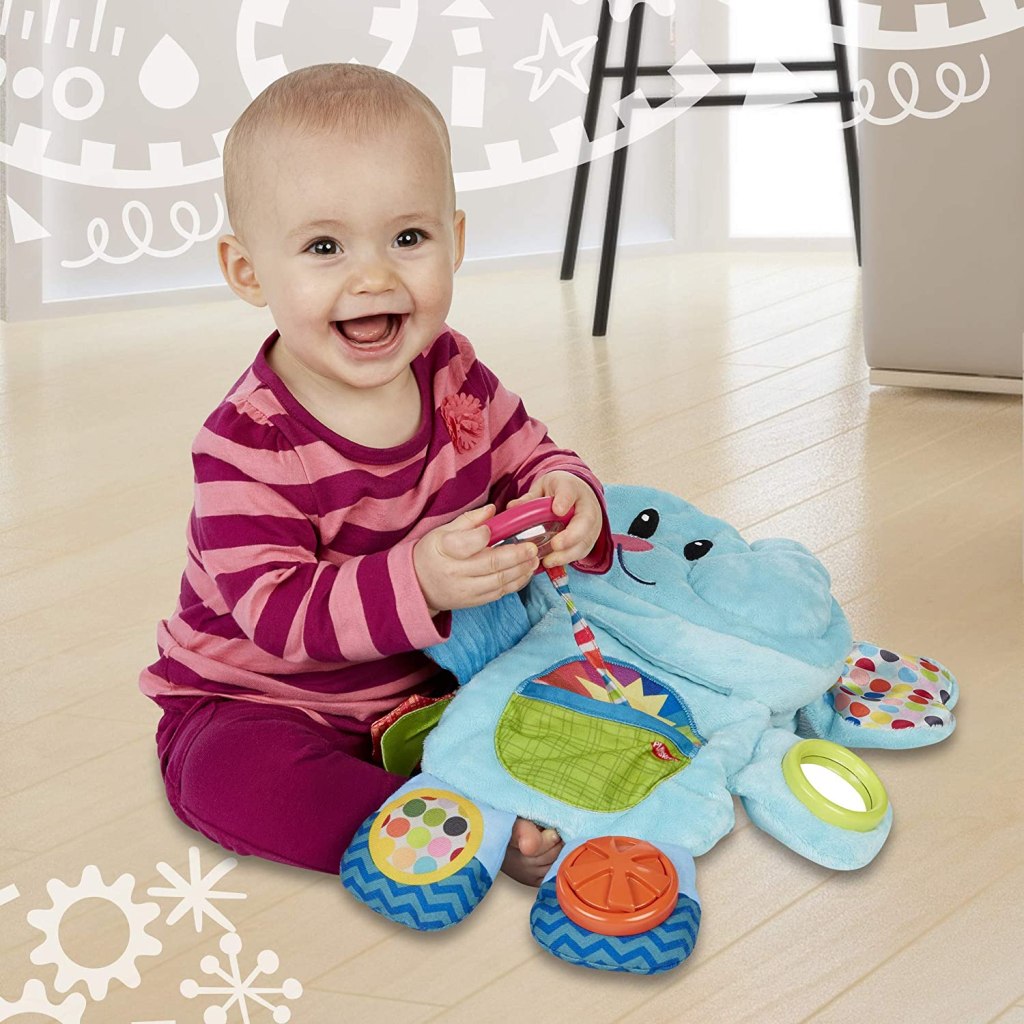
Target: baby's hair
[[351, 98]]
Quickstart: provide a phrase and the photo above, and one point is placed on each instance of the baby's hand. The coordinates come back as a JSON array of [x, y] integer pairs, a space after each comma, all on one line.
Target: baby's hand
[[530, 852], [568, 491], [457, 569]]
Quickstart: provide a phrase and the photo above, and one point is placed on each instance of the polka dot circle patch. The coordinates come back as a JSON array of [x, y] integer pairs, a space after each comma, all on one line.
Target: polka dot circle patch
[[883, 690], [425, 836]]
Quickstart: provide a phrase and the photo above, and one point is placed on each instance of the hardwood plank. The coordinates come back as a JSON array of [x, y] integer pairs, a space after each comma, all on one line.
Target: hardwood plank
[[974, 986], [26, 757]]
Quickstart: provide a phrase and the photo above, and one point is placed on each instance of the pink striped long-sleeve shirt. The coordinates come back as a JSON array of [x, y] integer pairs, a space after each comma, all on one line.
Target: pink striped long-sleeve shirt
[[299, 586]]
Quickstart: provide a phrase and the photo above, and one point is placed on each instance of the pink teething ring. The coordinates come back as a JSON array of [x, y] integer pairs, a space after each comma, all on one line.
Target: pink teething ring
[[533, 521]]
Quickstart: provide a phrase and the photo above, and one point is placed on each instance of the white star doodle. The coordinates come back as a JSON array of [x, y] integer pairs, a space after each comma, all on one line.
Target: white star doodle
[[197, 893], [578, 50]]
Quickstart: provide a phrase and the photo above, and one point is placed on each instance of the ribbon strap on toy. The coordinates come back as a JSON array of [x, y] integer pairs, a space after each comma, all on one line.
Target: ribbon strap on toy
[[585, 637]]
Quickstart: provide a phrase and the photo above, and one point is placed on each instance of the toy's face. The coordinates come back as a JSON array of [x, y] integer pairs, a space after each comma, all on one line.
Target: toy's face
[[686, 580], [668, 551]]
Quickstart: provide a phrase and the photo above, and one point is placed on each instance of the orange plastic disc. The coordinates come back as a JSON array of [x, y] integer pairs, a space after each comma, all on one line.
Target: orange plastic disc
[[615, 885]]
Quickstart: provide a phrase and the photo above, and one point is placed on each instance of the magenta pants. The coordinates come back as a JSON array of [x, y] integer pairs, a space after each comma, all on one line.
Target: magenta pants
[[268, 780]]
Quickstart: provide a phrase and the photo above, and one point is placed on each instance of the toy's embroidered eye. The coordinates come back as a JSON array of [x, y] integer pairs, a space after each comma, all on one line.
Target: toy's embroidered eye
[[645, 524], [697, 549]]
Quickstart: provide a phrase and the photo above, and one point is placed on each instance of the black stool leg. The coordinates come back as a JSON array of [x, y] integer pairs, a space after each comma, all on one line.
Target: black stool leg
[[618, 178], [579, 188], [846, 108]]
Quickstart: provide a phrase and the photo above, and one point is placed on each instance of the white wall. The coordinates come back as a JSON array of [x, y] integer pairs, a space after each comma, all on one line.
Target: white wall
[[151, 146]]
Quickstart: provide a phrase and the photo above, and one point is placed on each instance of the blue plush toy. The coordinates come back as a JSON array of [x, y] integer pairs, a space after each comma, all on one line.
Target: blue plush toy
[[728, 653]]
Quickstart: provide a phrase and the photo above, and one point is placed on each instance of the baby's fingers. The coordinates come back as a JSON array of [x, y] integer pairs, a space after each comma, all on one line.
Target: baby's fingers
[[463, 544], [503, 570], [504, 563], [571, 544]]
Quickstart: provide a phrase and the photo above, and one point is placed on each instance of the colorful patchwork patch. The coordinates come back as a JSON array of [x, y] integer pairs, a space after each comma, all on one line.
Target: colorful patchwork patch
[[879, 689], [590, 753], [643, 693], [425, 836]]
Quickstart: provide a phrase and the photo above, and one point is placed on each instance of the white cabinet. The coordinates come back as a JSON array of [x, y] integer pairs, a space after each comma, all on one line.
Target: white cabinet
[[943, 209]]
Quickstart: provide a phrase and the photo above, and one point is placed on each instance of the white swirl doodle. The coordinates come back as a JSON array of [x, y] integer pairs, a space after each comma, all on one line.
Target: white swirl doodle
[[98, 233], [864, 99]]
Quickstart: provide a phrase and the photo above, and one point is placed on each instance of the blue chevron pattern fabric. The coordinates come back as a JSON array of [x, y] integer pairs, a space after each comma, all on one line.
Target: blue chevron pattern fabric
[[427, 907], [650, 952]]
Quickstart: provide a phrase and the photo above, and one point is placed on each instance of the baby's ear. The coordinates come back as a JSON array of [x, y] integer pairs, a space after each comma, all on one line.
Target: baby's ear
[[237, 267], [460, 237]]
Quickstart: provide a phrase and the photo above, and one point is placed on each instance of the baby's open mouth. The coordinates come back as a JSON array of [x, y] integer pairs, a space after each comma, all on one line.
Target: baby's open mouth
[[370, 330]]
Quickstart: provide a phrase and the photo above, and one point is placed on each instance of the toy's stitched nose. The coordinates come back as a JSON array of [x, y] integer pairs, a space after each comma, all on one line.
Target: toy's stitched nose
[[628, 543]]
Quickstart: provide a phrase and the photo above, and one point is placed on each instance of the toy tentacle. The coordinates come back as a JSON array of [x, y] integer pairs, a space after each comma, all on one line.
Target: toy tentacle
[[884, 699], [808, 828], [428, 856]]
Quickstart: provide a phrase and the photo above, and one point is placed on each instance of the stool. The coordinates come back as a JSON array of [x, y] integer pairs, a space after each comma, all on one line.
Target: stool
[[629, 74]]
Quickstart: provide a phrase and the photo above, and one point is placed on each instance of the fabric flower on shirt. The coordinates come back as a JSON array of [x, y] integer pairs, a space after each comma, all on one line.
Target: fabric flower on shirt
[[463, 415]]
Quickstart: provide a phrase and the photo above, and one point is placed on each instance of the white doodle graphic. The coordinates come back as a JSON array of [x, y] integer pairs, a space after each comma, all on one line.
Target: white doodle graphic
[[83, 111], [98, 233], [168, 77], [932, 29], [52, 12], [394, 25], [24, 227], [238, 989], [34, 1000], [196, 894], [27, 83], [622, 9], [167, 80], [137, 915], [467, 41], [908, 100], [575, 51], [8, 893], [466, 9], [508, 166]]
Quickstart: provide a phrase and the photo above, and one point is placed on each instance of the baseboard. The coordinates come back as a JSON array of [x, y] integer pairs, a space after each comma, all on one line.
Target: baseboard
[[946, 381]]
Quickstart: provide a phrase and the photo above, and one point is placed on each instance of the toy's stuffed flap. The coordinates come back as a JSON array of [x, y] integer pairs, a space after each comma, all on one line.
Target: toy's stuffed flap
[[885, 700]]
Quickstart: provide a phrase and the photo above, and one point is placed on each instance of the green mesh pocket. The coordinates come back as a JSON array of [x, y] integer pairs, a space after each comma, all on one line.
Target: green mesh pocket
[[601, 759]]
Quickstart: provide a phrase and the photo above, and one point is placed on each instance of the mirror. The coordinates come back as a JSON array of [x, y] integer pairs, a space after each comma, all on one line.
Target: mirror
[[835, 785]]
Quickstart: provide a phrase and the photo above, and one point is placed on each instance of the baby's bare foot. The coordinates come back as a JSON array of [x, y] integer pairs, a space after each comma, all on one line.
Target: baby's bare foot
[[531, 851]]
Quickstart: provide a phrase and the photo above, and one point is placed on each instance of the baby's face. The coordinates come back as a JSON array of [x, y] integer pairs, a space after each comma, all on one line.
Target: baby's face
[[354, 242]]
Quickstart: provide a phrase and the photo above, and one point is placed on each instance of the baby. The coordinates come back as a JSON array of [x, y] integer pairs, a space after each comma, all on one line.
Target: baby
[[343, 484]]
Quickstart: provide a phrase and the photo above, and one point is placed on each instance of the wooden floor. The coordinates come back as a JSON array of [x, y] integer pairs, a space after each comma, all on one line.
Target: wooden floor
[[735, 381]]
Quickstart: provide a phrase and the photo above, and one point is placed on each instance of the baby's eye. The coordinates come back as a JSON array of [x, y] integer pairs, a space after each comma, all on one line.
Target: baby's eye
[[409, 238], [324, 247]]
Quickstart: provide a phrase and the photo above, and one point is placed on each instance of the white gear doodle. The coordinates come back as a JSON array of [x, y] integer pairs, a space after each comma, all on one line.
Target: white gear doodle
[[932, 29], [34, 1000], [395, 25], [91, 886]]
